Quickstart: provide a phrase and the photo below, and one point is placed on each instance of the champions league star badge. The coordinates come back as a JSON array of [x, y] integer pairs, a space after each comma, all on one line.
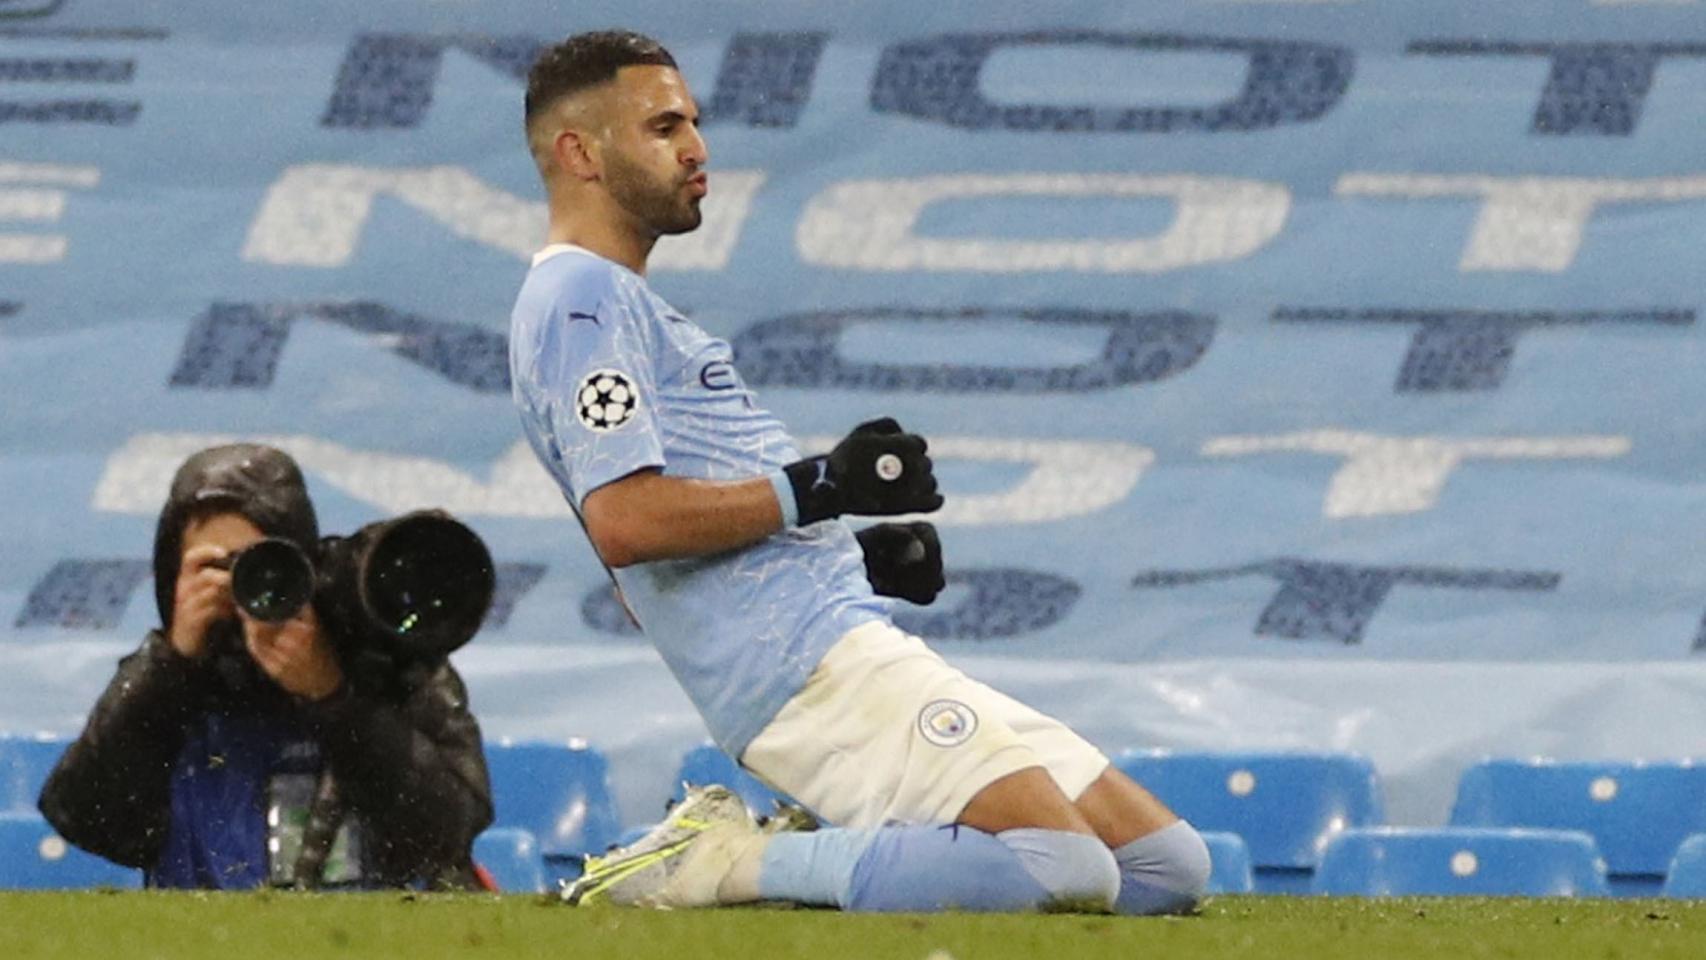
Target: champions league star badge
[[947, 723], [606, 400]]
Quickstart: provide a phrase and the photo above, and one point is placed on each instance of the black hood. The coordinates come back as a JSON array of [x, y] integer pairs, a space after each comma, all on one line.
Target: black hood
[[261, 483]]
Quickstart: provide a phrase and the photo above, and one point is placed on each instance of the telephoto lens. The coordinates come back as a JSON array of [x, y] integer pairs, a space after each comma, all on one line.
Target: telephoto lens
[[419, 584], [271, 580]]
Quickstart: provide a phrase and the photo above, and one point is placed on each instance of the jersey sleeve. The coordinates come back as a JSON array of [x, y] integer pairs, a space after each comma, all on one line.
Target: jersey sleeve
[[597, 381]]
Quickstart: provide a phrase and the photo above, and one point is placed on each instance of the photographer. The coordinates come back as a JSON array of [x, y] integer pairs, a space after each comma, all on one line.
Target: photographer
[[233, 753]]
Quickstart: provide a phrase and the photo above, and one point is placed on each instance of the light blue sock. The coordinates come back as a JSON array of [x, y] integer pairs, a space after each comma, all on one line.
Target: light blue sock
[[911, 869], [930, 869], [1164, 872], [814, 868]]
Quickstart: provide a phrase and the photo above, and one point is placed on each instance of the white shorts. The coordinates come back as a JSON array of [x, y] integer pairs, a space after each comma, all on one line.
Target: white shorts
[[885, 731]]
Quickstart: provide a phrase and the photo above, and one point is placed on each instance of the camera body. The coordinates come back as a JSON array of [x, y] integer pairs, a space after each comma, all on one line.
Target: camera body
[[415, 587]]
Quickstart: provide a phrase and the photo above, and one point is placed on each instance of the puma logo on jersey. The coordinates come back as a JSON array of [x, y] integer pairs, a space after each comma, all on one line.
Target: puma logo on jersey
[[822, 481]]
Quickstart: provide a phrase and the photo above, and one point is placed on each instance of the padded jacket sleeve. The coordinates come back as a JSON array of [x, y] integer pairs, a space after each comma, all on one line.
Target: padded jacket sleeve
[[110, 793], [414, 771]]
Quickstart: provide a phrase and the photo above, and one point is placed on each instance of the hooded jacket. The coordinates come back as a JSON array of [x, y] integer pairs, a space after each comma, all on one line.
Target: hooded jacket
[[173, 770]]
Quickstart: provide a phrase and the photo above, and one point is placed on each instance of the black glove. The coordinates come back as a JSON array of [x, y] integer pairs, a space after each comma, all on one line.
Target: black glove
[[903, 560], [878, 470]]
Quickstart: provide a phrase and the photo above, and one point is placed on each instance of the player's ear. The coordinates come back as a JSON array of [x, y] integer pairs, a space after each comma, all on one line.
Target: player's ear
[[576, 154]]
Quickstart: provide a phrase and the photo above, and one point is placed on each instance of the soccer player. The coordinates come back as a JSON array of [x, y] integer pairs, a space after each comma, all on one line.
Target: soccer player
[[728, 548]]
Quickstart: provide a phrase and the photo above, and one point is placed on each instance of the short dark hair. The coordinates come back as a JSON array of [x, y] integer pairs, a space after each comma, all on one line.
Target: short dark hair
[[587, 60]]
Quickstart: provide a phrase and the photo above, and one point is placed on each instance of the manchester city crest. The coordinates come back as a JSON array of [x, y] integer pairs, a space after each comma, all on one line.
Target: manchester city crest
[[947, 723]]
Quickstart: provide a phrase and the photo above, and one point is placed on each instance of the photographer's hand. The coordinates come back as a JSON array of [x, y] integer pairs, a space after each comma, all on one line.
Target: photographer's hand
[[202, 597], [296, 654]]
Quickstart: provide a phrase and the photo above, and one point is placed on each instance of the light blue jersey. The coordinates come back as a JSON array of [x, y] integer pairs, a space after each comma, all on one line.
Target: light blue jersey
[[610, 380]]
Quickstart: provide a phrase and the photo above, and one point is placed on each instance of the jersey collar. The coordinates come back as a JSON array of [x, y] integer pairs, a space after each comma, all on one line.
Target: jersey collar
[[556, 248]]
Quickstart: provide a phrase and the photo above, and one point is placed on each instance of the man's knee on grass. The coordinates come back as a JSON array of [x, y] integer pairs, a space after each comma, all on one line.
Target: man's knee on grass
[[1163, 872], [1076, 871]]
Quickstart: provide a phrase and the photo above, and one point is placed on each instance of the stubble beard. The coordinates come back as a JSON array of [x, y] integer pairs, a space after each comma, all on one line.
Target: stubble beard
[[664, 209]]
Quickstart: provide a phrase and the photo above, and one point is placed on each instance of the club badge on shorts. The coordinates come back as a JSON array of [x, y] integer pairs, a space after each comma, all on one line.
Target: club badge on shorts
[[947, 723], [606, 400]]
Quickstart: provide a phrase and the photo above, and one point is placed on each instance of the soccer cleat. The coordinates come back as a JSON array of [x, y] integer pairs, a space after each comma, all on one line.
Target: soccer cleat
[[679, 862]]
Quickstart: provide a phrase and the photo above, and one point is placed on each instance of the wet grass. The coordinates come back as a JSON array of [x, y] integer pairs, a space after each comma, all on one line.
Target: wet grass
[[189, 926]]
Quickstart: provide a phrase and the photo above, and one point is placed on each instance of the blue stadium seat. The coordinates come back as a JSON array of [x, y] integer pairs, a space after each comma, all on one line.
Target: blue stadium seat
[[1451, 861], [1687, 875], [33, 857], [1230, 859], [25, 762], [1286, 806], [1638, 813], [558, 792], [511, 855], [707, 763]]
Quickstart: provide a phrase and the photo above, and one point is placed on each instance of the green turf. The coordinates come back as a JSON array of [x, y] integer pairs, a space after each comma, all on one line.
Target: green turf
[[191, 926]]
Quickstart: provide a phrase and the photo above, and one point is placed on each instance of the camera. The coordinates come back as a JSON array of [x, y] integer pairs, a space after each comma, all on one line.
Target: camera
[[417, 586]]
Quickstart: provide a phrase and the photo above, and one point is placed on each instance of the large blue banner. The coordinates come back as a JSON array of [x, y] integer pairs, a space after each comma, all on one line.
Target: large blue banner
[[1302, 374]]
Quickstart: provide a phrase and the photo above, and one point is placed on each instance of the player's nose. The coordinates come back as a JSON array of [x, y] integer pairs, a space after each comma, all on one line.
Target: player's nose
[[694, 152]]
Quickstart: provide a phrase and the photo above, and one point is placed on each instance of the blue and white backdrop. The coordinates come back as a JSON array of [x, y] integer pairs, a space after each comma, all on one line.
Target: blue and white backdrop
[[1303, 374]]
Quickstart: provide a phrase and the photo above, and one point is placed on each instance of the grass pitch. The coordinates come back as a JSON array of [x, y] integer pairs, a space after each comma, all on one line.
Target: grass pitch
[[190, 926]]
